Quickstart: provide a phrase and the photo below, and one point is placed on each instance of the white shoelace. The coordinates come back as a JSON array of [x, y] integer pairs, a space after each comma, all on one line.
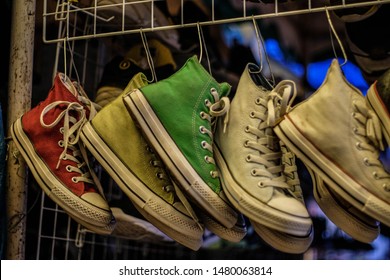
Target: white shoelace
[[268, 154], [71, 134], [218, 108], [368, 126]]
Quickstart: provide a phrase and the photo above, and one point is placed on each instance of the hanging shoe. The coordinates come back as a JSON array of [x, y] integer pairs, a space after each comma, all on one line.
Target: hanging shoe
[[119, 147], [131, 225], [116, 75], [352, 14], [340, 139], [234, 234], [118, 71], [47, 138], [369, 44], [349, 219], [175, 115], [249, 158], [378, 99]]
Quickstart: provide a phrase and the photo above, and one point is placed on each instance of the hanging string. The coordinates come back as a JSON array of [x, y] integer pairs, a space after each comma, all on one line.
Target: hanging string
[[333, 31]]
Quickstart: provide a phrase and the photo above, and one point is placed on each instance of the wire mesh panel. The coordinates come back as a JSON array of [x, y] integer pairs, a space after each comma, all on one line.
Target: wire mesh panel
[[77, 29], [119, 17]]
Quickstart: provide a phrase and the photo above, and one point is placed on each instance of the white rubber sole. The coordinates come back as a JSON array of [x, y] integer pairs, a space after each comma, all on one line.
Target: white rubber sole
[[283, 242]]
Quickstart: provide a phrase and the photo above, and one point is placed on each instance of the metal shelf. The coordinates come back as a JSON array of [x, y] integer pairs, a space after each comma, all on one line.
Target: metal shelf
[[66, 11]]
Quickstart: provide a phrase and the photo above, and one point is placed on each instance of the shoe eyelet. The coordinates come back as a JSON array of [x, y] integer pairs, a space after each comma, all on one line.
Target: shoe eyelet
[[213, 174], [358, 146], [213, 90], [68, 168], [159, 175], [247, 128], [375, 175], [148, 149], [207, 102], [257, 101], [206, 159], [248, 158], [353, 114], [253, 172], [61, 143], [252, 114], [167, 188], [74, 180], [202, 129], [246, 143], [355, 130], [202, 115], [62, 130], [386, 187], [366, 161], [203, 144], [261, 184]]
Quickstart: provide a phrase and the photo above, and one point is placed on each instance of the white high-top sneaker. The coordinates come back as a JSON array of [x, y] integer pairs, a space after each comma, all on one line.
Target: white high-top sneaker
[[336, 135], [249, 157]]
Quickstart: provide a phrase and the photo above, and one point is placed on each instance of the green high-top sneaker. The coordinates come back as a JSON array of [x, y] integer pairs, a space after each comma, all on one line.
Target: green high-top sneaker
[[176, 115], [118, 145]]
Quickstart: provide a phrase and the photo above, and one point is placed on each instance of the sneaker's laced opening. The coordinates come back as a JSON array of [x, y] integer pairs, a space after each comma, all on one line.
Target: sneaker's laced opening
[[219, 107], [265, 145], [368, 129], [70, 132]]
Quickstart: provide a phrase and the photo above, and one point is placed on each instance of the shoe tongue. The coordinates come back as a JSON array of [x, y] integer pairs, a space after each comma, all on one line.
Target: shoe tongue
[[66, 81], [225, 89]]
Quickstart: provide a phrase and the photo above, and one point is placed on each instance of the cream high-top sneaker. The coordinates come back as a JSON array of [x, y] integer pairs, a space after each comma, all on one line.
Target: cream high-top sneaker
[[337, 136]]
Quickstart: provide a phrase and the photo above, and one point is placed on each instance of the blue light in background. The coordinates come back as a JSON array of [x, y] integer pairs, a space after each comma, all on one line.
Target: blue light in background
[[276, 53], [316, 72]]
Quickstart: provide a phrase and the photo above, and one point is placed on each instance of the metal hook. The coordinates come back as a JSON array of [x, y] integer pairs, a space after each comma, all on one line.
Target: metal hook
[[261, 45], [202, 43], [332, 29], [149, 57]]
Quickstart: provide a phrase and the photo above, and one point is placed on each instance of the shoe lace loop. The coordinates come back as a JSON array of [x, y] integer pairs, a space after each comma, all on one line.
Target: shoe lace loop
[[217, 108], [71, 128], [268, 154], [369, 127], [71, 134], [280, 100]]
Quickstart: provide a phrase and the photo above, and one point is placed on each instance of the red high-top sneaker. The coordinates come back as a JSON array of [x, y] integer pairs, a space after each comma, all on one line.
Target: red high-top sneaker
[[47, 138]]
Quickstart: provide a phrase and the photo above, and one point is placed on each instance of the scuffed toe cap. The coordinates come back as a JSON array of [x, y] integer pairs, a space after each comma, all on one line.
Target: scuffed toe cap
[[289, 205], [97, 200]]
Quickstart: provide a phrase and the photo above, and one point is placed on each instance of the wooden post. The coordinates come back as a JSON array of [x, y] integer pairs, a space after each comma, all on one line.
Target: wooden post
[[19, 102]]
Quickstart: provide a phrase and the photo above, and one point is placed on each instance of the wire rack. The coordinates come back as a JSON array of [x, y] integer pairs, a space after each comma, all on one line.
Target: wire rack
[[76, 23], [110, 17]]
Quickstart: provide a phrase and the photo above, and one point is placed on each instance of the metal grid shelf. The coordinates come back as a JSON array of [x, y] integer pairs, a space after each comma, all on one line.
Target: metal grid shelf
[[101, 25]]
